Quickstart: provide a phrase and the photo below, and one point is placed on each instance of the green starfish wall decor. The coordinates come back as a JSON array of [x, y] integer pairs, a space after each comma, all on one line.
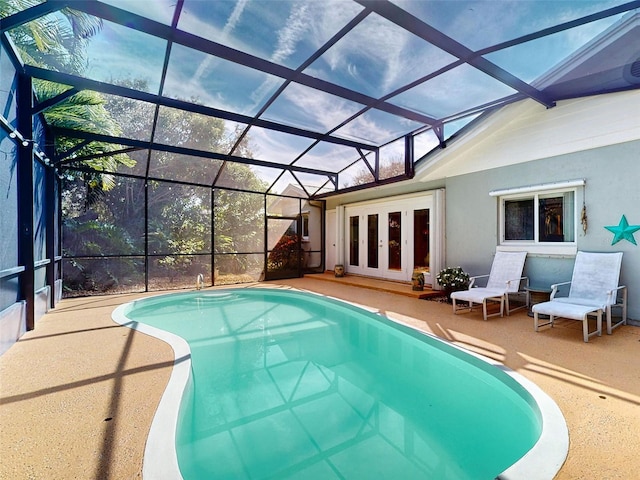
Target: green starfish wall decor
[[623, 231]]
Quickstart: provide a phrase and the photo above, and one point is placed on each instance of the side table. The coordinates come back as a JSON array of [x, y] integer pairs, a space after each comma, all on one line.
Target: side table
[[537, 294]]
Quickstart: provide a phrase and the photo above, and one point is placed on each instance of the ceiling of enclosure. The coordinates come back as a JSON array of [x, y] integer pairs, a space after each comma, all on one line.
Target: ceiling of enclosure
[[313, 97]]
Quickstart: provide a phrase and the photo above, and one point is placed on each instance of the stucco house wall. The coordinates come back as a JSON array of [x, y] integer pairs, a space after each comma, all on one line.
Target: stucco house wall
[[593, 138], [612, 189]]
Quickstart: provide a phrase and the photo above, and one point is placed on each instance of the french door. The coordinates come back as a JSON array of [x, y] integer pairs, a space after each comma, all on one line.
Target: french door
[[388, 240]]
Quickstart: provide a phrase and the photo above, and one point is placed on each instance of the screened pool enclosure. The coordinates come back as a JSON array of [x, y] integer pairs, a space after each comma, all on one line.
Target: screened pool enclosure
[[149, 144]]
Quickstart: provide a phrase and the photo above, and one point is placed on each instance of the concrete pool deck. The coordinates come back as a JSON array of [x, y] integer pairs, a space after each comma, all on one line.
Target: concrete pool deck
[[78, 394]]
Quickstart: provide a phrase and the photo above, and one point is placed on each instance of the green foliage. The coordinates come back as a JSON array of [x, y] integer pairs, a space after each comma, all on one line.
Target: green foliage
[[85, 111], [179, 225], [453, 279], [87, 235], [104, 214], [90, 236], [285, 254], [59, 42], [179, 216], [239, 220]]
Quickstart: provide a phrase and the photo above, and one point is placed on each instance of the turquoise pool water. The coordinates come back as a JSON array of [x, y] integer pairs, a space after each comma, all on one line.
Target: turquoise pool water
[[289, 385]]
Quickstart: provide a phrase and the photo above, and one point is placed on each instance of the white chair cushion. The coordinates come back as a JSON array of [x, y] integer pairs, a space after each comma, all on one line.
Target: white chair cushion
[[477, 295], [565, 310], [581, 301]]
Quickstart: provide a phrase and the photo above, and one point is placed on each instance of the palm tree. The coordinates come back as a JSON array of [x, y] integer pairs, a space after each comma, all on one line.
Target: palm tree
[[55, 41], [58, 42]]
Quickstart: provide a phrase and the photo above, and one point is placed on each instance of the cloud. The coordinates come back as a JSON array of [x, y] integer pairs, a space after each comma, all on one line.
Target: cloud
[[229, 26], [329, 15], [323, 110], [295, 28], [234, 18], [288, 37], [116, 46], [329, 156], [364, 128], [162, 10], [377, 57], [276, 146]]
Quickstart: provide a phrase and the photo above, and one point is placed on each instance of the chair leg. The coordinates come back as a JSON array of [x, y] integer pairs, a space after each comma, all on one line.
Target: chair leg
[[537, 324], [484, 309], [508, 306], [456, 309], [623, 321], [585, 326]]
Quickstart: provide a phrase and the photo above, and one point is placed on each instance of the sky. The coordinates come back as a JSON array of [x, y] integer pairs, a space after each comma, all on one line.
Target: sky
[[376, 58]]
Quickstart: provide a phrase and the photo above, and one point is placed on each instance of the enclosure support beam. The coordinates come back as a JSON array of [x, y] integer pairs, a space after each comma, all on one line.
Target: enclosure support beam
[[213, 237], [24, 92], [146, 236], [409, 169], [50, 213]]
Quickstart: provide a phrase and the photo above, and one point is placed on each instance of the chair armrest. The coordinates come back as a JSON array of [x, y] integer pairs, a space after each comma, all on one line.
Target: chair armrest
[[554, 289], [614, 295], [473, 279], [519, 280]]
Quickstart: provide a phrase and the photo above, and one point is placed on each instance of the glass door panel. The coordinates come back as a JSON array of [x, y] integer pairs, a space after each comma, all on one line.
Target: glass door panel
[[421, 240], [354, 240], [395, 241], [372, 241]]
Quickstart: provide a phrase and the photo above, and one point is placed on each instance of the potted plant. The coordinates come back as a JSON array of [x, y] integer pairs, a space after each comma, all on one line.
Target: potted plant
[[417, 280], [452, 279]]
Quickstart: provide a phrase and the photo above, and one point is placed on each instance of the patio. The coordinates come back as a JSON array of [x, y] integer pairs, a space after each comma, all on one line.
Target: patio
[[79, 393]]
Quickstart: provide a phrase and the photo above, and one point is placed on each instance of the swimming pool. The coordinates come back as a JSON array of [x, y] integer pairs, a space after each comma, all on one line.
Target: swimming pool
[[273, 383]]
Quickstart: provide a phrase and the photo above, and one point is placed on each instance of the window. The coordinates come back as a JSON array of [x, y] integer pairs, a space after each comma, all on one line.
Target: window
[[541, 221], [305, 226]]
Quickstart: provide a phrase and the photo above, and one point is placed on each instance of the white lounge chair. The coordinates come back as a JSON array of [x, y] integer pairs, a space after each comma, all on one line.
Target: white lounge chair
[[504, 279], [594, 290]]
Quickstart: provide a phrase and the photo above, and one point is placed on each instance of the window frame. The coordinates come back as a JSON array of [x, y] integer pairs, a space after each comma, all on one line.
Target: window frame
[[304, 220], [535, 246]]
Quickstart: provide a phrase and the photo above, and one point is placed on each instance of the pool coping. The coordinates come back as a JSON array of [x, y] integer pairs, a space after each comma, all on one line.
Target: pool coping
[[160, 461]]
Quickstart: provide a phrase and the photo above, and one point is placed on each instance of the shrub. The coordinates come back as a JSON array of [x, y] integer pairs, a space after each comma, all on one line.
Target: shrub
[[453, 279]]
